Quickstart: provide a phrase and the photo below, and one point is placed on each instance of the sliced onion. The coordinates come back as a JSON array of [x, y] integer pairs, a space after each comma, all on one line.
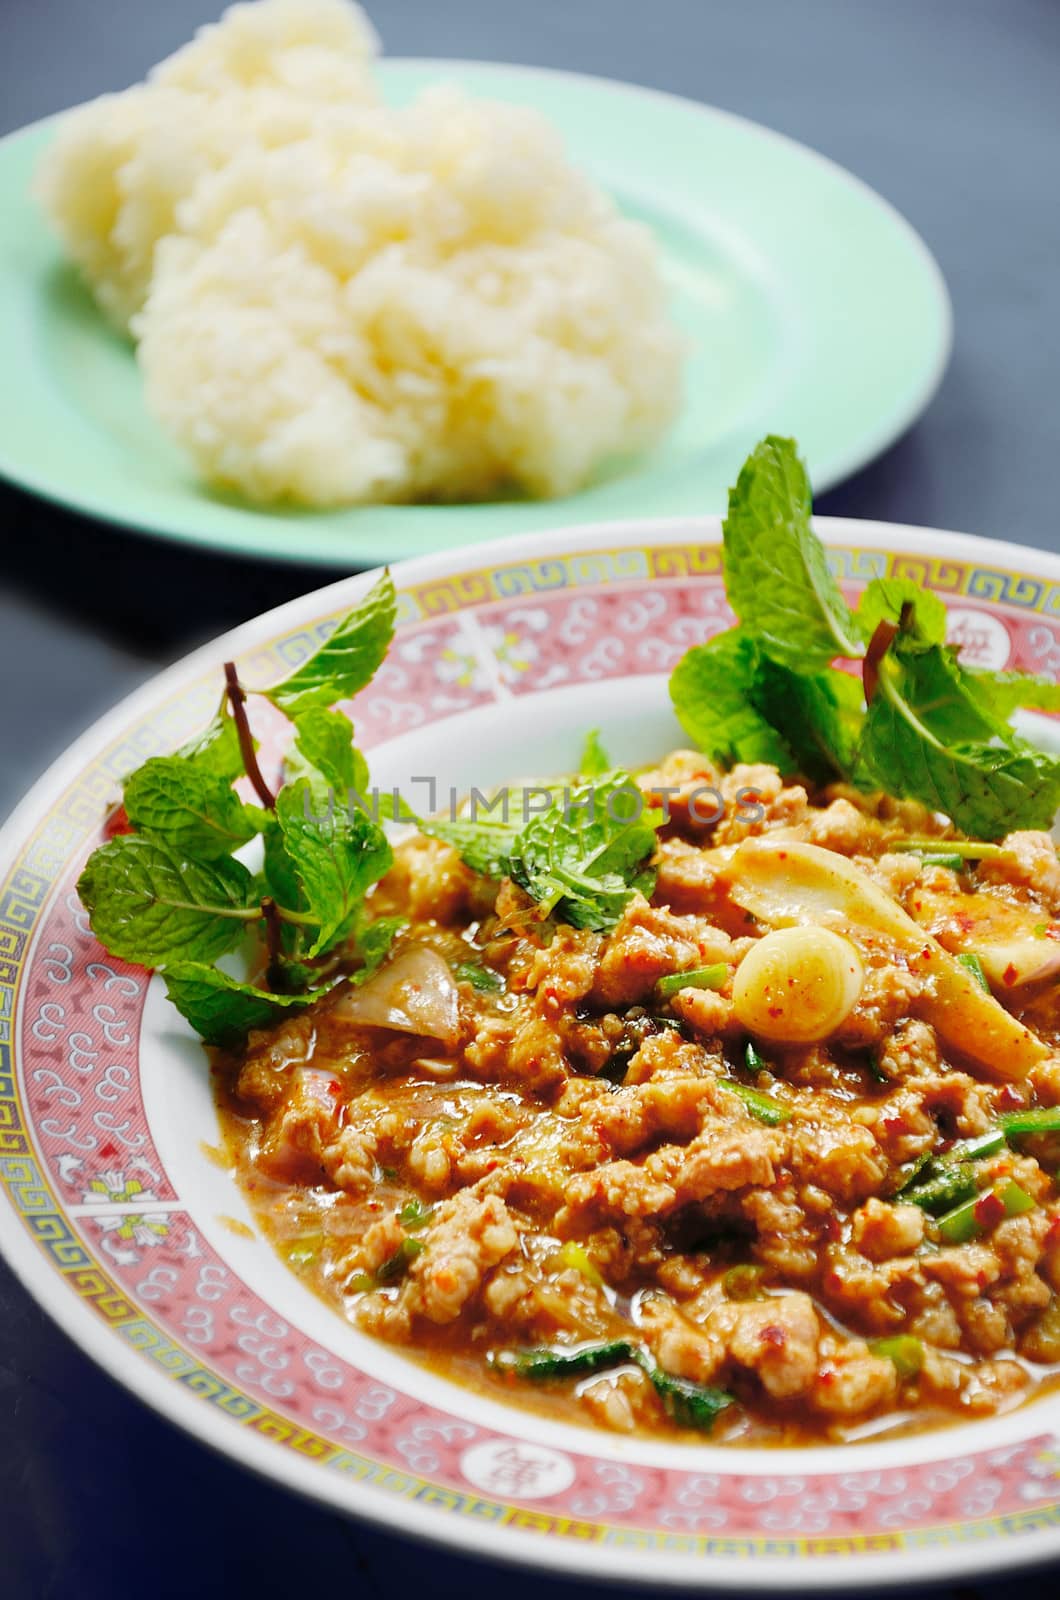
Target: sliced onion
[[414, 993]]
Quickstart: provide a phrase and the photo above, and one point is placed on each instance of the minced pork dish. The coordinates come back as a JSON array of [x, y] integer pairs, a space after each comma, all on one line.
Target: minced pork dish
[[720, 1097], [798, 1178]]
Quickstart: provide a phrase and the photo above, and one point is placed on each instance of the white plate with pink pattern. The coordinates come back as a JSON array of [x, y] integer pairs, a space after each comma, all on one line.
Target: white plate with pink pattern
[[121, 1226]]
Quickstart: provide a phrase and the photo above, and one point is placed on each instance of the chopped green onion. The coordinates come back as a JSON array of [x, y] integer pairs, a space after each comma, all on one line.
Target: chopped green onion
[[481, 978], [398, 1264], [941, 1185], [1016, 1201], [873, 1068], [752, 1060], [761, 1106], [743, 1282], [414, 1215], [903, 1350], [301, 1256], [545, 1362], [967, 849], [939, 858], [577, 1257], [975, 967], [983, 1145], [910, 1173], [961, 1225], [691, 1405], [360, 1283], [975, 1217], [695, 978], [1042, 1119]]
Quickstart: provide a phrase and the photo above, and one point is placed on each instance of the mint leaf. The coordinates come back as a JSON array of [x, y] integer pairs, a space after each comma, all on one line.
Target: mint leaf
[[766, 691], [324, 741], [581, 860], [594, 759], [936, 686], [222, 1009], [822, 718], [883, 600], [776, 574], [347, 659], [373, 944], [585, 857], [216, 749], [482, 843], [928, 737], [732, 701], [337, 855], [1002, 693], [149, 904], [711, 688], [191, 810]]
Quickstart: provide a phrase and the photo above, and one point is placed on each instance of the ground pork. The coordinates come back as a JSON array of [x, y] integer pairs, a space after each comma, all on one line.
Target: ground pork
[[648, 944], [674, 1176], [776, 1339], [887, 994], [842, 826], [469, 1234], [880, 1230], [1030, 862], [851, 1381], [589, 1161]]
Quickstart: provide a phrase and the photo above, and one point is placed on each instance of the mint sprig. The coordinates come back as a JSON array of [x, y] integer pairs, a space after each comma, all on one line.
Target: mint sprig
[[927, 734], [580, 861], [172, 894], [585, 857], [926, 727]]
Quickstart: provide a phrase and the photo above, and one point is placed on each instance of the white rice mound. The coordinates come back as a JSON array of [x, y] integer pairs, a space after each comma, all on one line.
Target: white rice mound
[[113, 179], [338, 302]]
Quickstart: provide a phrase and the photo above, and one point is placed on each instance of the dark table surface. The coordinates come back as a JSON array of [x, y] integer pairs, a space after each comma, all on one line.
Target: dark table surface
[[950, 110]]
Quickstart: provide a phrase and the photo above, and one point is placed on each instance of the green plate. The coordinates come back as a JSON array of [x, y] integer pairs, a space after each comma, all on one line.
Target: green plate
[[812, 308]]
